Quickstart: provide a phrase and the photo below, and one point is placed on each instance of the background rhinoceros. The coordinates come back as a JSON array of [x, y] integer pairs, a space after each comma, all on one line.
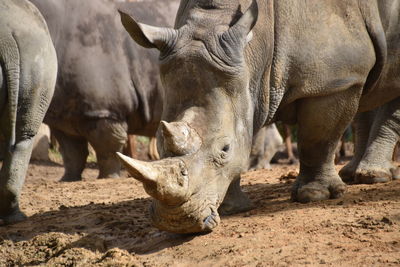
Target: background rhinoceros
[[266, 143], [107, 85]]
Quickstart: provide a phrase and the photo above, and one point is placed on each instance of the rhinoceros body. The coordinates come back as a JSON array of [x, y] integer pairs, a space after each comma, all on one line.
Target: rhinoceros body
[[230, 67], [28, 72], [107, 85]]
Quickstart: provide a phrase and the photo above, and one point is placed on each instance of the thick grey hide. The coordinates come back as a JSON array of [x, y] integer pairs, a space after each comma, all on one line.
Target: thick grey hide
[[28, 72]]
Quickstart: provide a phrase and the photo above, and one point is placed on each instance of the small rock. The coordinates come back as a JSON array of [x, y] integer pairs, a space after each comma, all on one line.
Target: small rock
[[387, 220]]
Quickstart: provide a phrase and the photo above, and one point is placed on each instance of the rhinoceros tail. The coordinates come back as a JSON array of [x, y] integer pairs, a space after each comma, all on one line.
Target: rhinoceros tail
[[10, 62], [373, 24]]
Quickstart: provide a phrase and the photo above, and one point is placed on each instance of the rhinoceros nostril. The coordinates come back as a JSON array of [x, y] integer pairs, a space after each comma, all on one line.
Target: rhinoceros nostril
[[211, 221]]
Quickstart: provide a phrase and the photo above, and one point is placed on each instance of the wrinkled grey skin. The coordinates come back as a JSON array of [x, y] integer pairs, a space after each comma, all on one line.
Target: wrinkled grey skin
[[28, 65], [315, 63], [377, 133], [266, 143], [107, 86]]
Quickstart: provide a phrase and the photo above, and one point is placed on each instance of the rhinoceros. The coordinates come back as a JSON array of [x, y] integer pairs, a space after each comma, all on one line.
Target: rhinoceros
[[266, 143], [229, 67], [107, 85], [28, 70]]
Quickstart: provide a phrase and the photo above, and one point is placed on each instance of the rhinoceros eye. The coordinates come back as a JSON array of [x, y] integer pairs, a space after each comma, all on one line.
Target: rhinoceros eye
[[221, 153], [225, 151], [226, 148]]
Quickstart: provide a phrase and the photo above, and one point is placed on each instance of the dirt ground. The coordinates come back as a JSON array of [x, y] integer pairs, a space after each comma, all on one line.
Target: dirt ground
[[105, 223]]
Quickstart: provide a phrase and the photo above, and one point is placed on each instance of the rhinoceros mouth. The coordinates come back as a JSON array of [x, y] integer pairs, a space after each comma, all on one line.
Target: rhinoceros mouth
[[184, 219]]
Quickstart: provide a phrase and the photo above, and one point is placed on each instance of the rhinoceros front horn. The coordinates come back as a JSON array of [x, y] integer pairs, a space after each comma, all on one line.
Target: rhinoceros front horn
[[140, 170], [166, 180]]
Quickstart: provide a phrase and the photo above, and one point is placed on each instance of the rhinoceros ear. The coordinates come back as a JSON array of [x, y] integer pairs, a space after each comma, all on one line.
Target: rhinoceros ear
[[240, 32], [149, 36]]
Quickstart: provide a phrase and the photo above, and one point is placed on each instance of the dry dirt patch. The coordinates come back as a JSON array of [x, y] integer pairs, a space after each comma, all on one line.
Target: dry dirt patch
[[105, 223]]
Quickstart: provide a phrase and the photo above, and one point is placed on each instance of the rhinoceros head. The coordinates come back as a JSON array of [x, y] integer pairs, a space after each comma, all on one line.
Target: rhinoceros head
[[206, 134]]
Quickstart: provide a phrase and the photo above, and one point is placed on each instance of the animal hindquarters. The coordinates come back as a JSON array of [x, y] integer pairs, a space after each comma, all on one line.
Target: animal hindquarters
[[33, 100], [37, 70]]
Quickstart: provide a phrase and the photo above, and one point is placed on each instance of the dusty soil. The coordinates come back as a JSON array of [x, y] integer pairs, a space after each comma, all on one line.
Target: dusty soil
[[105, 223]]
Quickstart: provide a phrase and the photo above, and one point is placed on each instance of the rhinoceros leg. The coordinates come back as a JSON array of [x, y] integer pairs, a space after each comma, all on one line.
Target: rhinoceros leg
[[107, 138], [74, 151], [362, 125], [235, 200], [320, 129], [257, 155], [15, 165], [289, 145], [376, 165], [12, 177]]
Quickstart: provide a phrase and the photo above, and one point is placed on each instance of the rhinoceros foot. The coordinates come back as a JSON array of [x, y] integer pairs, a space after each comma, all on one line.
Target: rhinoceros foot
[[317, 190], [70, 178], [395, 173], [381, 172], [109, 176], [15, 217], [372, 176], [347, 173], [261, 166], [293, 161], [109, 168]]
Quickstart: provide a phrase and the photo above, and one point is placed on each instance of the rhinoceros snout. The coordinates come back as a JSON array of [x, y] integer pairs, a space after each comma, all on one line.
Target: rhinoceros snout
[[184, 219]]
